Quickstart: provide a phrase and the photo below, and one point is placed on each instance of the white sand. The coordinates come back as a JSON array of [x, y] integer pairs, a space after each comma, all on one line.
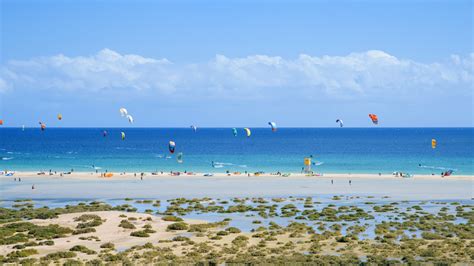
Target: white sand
[[92, 186], [107, 232], [134, 176]]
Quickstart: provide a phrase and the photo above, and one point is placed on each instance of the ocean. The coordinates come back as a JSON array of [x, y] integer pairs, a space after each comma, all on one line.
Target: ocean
[[334, 150]]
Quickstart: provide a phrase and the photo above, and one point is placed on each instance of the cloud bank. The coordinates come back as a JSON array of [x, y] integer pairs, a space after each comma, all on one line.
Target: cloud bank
[[368, 74]]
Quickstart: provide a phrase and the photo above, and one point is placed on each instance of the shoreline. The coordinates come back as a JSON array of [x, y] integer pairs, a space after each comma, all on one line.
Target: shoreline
[[178, 175]]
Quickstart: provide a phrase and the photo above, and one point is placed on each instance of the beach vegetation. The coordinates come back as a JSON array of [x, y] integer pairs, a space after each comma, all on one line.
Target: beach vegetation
[[82, 249], [59, 255], [171, 218], [178, 226], [141, 233], [126, 224], [107, 245], [84, 231]]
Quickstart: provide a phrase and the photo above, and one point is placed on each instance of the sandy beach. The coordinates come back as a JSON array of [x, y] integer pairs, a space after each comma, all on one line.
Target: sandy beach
[[161, 175], [108, 232], [84, 185]]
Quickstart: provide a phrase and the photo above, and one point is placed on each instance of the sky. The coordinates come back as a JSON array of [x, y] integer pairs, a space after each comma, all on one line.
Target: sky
[[237, 63]]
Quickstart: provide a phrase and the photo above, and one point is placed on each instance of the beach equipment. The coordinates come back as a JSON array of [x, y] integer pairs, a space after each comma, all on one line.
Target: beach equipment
[[130, 119], [42, 126], [248, 132], [123, 135], [108, 175], [341, 124], [23, 128], [374, 119], [433, 143], [273, 125], [179, 157], [123, 111], [447, 173], [307, 164], [172, 146], [60, 116], [194, 128], [1, 122], [234, 131]]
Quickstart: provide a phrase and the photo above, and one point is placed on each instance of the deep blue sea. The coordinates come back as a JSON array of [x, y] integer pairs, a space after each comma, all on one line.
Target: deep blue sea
[[336, 150]]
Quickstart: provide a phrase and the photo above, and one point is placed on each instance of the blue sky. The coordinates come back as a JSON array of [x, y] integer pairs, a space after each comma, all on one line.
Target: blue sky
[[237, 63]]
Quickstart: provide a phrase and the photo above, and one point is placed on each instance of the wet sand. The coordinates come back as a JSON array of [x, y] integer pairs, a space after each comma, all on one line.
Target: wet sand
[[92, 186]]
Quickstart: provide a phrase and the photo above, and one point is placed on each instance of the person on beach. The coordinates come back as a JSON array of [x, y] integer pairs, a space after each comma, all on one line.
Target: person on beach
[[14, 179], [350, 182], [33, 186], [332, 181], [19, 179]]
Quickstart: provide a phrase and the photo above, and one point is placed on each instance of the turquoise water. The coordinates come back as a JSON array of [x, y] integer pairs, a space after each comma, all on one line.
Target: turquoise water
[[337, 150]]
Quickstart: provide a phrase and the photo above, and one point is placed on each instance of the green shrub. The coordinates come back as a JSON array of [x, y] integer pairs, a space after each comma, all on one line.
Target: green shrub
[[233, 230], [126, 224], [178, 226], [59, 255], [171, 218], [84, 231], [82, 249], [181, 238], [142, 233], [22, 253], [108, 245], [222, 233]]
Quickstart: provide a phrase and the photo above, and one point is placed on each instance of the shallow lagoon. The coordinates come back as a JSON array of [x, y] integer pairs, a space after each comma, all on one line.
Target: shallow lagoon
[[431, 195], [245, 220]]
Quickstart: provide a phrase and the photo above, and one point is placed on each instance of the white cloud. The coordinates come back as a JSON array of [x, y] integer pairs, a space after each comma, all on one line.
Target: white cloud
[[357, 74]]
